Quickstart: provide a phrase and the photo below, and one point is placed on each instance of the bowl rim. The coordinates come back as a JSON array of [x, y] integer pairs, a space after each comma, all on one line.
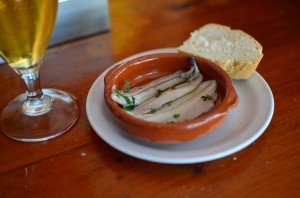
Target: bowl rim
[[230, 97]]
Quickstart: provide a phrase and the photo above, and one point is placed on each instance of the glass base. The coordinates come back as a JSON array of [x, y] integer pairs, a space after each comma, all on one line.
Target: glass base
[[22, 127]]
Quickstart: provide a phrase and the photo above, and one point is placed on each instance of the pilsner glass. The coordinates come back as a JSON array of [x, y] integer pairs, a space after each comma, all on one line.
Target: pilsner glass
[[26, 28]]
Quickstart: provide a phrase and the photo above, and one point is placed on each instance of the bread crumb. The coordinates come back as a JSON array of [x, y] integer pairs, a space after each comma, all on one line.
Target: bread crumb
[[83, 154], [234, 158]]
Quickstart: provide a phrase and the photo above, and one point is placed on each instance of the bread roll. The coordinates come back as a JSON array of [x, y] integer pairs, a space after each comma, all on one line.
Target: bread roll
[[234, 50]]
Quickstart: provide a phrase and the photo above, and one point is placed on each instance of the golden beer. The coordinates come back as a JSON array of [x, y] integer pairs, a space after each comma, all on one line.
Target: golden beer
[[25, 30]]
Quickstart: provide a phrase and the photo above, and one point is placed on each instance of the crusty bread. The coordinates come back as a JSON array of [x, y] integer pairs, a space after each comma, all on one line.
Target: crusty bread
[[235, 51]]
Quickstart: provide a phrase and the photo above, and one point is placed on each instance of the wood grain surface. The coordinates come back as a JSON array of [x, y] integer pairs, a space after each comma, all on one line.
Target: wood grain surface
[[80, 164]]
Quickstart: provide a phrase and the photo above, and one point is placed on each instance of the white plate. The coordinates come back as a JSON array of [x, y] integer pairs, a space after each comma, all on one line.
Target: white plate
[[243, 125]]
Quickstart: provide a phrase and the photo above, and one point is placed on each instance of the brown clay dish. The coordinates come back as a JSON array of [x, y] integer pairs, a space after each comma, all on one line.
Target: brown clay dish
[[144, 69]]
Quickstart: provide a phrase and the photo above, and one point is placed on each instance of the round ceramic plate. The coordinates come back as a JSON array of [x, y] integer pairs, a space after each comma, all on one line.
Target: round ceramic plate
[[243, 125]]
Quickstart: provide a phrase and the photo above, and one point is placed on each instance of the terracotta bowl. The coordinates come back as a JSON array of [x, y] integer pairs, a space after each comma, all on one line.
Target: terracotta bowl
[[144, 69]]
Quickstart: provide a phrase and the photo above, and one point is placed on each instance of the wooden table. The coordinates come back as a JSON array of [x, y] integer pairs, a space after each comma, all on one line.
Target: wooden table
[[80, 164]]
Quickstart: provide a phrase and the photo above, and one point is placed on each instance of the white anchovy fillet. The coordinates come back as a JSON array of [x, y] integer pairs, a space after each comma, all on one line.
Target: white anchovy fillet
[[137, 90], [143, 93], [191, 106], [178, 102], [168, 95], [173, 98]]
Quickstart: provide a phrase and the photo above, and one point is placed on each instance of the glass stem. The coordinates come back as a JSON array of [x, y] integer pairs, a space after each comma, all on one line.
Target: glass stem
[[36, 102]]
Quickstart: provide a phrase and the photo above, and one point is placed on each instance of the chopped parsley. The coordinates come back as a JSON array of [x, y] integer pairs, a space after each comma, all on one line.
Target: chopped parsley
[[127, 85], [158, 93], [152, 111], [129, 108], [207, 97], [130, 102], [118, 92], [168, 103], [176, 116]]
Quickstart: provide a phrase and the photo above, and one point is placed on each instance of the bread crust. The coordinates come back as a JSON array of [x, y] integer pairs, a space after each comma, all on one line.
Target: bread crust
[[236, 69]]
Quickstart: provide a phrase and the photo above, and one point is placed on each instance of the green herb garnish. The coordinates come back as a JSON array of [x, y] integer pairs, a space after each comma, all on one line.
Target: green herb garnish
[[152, 111], [207, 97], [118, 92], [127, 85], [129, 108], [176, 116], [168, 103], [158, 93], [130, 102]]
